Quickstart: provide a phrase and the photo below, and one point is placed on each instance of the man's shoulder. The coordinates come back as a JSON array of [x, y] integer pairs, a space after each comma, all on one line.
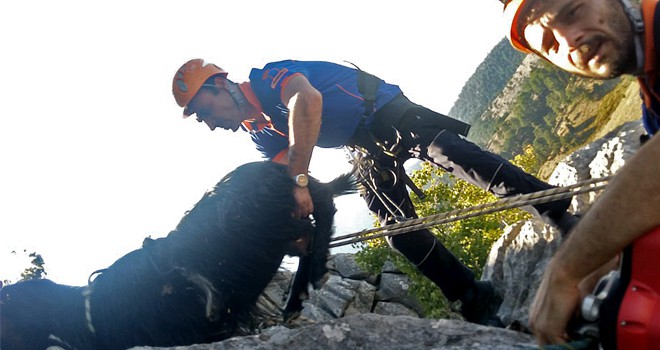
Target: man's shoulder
[[278, 63], [304, 65]]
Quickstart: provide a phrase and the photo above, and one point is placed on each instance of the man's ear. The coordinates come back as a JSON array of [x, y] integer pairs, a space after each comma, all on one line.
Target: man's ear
[[220, 82]]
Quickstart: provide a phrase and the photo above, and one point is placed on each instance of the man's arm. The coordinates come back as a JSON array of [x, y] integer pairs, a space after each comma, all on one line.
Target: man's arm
[[626, 210], [305, 104]]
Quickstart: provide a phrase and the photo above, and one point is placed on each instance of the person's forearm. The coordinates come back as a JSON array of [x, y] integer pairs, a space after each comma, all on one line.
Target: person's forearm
[[304, 127], [629, 208]]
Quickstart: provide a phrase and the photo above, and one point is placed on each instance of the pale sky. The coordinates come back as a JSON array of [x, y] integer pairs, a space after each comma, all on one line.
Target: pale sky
[[95, 155]]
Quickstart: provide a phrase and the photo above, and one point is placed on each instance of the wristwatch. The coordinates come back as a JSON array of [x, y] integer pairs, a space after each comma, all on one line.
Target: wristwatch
[[301, 180]]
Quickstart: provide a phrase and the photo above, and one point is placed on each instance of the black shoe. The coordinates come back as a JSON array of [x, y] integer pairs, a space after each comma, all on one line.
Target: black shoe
[[564, 222], [483, 306], [556, 214]]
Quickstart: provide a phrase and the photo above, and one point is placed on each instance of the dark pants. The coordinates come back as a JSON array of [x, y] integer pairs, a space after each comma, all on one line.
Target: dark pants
[[420, 133]]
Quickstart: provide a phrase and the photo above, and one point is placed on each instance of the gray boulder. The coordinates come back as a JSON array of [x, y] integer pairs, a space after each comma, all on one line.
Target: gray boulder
[[518, 259], [372, 331]]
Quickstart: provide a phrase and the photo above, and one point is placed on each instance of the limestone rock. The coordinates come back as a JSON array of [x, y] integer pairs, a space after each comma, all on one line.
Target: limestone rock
[[372, 331]]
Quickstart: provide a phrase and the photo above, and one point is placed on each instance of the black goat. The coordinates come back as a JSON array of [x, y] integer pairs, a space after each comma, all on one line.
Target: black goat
[[197, 285]]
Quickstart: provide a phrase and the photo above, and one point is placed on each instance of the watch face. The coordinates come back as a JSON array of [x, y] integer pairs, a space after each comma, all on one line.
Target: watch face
[[301, 180]]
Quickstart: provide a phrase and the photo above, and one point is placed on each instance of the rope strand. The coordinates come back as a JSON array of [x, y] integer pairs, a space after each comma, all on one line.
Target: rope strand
[[460, 214]]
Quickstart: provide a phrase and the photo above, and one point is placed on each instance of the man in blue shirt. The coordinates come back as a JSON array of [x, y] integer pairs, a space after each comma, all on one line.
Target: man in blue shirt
[[289, 107]]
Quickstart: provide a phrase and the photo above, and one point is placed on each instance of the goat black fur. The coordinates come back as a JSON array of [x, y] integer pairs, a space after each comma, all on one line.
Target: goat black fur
[[199, 284]]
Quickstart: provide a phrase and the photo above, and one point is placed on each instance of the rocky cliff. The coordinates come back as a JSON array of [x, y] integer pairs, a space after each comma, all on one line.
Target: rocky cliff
[[357, 310]]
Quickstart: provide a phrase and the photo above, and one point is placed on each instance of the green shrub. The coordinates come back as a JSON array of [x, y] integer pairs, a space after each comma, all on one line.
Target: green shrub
[[470, 239]]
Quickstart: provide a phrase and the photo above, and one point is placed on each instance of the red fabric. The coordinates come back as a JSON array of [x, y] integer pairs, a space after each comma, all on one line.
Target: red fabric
[[638, 324]]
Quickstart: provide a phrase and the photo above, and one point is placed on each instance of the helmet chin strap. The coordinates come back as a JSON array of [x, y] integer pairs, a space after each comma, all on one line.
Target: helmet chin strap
[[236, 94], [635, 16]]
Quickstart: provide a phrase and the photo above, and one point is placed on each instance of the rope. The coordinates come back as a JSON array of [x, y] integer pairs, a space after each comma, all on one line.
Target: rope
[[478, 210], [364, 164]]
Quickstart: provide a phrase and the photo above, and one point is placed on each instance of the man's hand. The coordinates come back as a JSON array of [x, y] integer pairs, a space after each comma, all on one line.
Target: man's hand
[[304, 205], [555, 304]]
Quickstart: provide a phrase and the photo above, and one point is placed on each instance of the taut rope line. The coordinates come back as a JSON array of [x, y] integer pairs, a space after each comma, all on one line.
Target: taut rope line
[[460, 214]]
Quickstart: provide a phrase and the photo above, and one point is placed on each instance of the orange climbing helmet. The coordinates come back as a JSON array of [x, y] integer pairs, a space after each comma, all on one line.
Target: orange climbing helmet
[[190, 77], [511, 16]]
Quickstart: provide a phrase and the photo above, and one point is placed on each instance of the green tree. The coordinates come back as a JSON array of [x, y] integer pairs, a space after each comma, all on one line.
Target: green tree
[[528, 160], [37, 269]]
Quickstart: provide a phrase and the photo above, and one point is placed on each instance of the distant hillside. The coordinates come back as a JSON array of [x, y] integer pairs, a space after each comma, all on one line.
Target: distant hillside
[[487, 82], [513, 100]]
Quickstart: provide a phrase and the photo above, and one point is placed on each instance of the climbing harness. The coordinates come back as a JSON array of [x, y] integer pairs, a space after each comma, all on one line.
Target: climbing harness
[[378, 178], [376, 164]]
